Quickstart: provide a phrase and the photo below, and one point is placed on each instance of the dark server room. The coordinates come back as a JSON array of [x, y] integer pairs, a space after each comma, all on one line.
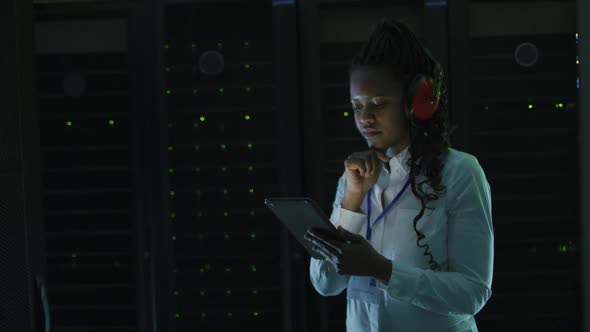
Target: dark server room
[[295, 165]]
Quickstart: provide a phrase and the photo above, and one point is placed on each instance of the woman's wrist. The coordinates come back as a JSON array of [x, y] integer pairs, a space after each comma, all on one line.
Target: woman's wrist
[[352, 200], [383, 270]]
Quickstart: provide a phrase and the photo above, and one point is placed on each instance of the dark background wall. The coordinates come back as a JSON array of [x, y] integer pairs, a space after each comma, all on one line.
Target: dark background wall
[[22, 261], [162, 126]]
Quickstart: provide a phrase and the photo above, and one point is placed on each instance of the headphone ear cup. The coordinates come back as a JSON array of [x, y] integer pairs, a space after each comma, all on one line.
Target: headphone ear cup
[[420, 104], [409, 96]]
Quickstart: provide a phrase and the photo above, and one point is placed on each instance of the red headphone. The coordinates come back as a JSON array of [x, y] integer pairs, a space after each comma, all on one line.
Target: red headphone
[[422, 95]]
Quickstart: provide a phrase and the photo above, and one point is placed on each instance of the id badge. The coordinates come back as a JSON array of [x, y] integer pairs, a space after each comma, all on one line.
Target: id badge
[[363, 289]]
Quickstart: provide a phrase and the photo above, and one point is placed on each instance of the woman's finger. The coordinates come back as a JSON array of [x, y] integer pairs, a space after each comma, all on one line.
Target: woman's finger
[[382, 156], [354, 164], [325, 244], [375, 161], [327, 255], [368, 166]]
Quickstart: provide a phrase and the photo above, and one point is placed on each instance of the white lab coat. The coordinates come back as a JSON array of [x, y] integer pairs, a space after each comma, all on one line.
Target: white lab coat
[[461, 237]]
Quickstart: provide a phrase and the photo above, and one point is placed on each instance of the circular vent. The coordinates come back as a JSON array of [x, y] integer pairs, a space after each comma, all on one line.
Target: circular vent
[[526, 54], [211, 63]]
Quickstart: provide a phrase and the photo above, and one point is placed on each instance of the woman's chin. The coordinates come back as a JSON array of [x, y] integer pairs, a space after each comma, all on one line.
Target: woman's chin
[[377, 144]]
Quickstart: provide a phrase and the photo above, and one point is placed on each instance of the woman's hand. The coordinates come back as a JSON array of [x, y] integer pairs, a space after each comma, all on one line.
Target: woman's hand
[[363, 169], [353, 256]]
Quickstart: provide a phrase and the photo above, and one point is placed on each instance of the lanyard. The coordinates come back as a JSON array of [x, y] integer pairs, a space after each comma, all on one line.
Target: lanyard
[[389, 206]]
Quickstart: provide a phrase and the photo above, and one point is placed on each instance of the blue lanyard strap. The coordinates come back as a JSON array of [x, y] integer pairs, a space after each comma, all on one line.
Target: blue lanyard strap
[[389, 206]]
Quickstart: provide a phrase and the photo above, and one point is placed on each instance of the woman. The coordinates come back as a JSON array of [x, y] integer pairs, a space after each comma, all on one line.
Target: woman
[[419, 259]]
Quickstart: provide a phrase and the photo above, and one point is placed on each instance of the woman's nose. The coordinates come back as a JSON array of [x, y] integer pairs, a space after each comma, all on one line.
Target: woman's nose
[[367, 116]]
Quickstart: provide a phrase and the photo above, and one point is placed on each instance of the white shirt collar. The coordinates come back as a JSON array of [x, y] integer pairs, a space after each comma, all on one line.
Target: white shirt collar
[[398, 162]]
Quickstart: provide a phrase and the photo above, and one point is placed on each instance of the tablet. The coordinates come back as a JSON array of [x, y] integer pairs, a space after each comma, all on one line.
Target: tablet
[[300, 214]]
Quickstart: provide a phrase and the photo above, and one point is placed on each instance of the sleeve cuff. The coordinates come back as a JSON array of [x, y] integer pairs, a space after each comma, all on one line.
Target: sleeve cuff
[[403, 282], [349, 220]]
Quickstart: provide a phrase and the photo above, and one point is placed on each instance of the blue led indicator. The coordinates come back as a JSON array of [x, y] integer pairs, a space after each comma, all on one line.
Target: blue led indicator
[[283, 3], [435, 3]]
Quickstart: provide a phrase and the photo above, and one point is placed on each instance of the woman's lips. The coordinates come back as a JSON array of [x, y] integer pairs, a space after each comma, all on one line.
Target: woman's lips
[[372, 133]]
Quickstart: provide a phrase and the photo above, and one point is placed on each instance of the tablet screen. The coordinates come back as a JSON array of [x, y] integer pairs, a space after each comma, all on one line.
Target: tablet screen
[[300, 214]]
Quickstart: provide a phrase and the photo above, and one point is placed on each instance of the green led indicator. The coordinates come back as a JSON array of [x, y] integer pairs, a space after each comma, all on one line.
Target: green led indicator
[[193, 45], [246, 43], [177, 315], [247, 117], [345, 113], [172, 193], [251, 190], [173, 237], [253, 236], [247, 66], [248, 89], [168, 91], [563, 248], [171, 171], [253, 268], [221, 90], [250, 168], [170, 148], [250, 145], [202, 119], [111, 122], [69, 123], [530, 106], [559, 105], [223, 146]]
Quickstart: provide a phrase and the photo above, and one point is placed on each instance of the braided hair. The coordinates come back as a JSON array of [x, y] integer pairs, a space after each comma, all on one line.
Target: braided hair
[[393, 46]]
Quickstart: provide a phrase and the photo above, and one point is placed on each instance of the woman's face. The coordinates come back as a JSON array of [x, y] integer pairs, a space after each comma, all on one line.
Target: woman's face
[[377, 103]]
